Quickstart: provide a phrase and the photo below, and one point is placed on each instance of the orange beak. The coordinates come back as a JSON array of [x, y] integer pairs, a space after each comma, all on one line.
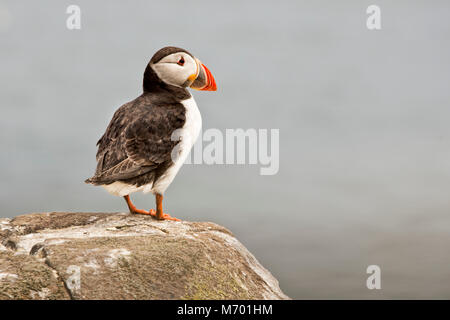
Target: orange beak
[[205, 80]]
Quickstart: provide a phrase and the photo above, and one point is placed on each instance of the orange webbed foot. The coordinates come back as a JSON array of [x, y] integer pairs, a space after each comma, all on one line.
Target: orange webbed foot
[[164, 216]]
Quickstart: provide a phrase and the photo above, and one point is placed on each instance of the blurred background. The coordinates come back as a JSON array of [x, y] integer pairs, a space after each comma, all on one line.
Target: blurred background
[[363, 117]]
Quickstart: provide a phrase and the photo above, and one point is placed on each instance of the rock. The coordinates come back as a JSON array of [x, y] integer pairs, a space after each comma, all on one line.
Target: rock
[[63, 255]]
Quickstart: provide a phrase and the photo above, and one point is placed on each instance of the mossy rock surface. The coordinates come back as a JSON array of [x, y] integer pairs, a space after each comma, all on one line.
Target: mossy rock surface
[[22, 278], [63, 255]]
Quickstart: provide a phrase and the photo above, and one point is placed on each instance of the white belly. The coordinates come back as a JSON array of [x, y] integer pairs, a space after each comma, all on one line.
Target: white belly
[[188, 134], [122, 189]]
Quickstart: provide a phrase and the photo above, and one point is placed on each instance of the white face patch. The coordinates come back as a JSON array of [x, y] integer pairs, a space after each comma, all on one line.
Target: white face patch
[[175, 68]]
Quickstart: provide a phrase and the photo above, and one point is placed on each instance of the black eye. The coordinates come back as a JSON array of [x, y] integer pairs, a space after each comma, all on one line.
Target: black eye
[[181, 61]]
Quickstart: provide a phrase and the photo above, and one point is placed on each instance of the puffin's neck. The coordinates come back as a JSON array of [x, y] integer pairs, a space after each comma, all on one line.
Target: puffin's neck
[[153, 84]]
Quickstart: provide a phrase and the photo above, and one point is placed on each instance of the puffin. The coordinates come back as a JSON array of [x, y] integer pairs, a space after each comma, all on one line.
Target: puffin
[[149, 138]]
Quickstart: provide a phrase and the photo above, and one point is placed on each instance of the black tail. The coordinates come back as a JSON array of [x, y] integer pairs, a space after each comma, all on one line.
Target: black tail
[[90, 180]]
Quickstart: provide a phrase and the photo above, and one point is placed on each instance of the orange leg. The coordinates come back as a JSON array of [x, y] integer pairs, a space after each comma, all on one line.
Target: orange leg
[[159, 214], [132, 208]]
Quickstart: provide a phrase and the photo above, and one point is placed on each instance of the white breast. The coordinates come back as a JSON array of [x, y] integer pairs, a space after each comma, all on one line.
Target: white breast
[[189, 134]]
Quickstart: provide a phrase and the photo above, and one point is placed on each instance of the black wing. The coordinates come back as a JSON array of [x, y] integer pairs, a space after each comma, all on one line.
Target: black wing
[[137, 141]]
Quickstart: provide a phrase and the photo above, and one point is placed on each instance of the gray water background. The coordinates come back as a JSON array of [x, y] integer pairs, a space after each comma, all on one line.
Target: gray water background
[[363, 116]]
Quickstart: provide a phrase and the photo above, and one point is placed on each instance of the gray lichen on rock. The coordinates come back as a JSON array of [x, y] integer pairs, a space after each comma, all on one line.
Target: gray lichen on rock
[[63, 255]]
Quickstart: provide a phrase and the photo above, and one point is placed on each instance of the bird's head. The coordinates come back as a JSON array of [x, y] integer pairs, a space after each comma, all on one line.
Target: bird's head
[[177, 67]]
